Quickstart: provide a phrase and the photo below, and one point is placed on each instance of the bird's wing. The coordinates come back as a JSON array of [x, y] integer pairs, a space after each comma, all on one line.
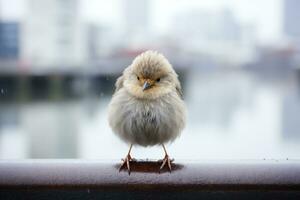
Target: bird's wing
[[179, 90], [119, 83]]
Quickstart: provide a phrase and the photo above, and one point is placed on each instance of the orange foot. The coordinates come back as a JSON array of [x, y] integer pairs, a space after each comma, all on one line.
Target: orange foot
[[165, 161], [126, 161]]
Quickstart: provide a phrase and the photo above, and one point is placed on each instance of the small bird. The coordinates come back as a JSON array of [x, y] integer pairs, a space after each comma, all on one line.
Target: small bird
[[147, 107]]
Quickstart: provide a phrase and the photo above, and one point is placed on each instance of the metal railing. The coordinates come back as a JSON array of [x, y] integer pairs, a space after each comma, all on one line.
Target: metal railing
[[68, 179]]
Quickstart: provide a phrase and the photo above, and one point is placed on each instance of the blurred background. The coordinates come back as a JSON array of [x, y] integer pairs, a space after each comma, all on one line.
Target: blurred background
[[238, 61]]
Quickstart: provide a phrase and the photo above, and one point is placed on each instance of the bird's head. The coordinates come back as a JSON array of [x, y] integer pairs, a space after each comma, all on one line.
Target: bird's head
[[150, 76]]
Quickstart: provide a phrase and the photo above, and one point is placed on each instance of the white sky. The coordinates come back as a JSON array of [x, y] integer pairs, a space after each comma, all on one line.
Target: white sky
[[265, 14]]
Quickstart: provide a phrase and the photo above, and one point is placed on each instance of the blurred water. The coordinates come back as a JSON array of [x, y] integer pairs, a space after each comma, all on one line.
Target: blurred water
[[232, 114]]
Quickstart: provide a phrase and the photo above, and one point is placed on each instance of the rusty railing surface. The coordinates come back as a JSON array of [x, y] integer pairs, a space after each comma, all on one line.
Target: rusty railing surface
[[77, 179]]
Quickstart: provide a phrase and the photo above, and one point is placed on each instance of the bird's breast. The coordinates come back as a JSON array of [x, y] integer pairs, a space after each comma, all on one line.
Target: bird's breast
[[147, 122]]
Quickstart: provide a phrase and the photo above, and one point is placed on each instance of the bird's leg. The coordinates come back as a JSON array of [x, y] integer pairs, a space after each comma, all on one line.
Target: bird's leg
[[126, 160], [166, 160]]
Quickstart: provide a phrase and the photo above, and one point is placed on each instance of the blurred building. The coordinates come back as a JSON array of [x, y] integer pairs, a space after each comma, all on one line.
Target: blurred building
[[102, 41], [9, 40], [137, 21], [291, 27], [217, 34], [137, 15], [207, 25], [52, 34], [274, 57], [290, 114], [93, 37], [291, 15]]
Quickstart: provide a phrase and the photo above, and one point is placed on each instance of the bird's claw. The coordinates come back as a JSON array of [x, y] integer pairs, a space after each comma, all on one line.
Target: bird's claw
[[167, 161], [126, 161]]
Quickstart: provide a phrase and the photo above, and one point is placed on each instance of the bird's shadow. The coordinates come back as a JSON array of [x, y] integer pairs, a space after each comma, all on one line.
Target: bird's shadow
[[147, 166]]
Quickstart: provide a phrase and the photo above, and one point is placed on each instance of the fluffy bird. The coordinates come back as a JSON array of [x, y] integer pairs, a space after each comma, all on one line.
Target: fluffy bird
[[147, 107]]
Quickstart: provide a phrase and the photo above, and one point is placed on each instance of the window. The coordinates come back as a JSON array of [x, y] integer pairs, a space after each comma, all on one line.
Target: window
[[239, 73]]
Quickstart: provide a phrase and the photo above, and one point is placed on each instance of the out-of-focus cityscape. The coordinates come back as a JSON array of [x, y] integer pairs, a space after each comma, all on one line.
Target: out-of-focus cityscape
[[238, 61]]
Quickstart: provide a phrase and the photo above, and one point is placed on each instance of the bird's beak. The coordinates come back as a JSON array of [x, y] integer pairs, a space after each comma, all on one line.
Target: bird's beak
[[146, 85]]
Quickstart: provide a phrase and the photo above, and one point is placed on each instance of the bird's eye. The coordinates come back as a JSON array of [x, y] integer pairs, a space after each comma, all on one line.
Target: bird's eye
[[157, 80], [138, 78]]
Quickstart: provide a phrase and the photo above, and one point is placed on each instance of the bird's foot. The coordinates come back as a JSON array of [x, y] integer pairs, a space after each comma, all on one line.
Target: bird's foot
[[167, 161], [126, 161]]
